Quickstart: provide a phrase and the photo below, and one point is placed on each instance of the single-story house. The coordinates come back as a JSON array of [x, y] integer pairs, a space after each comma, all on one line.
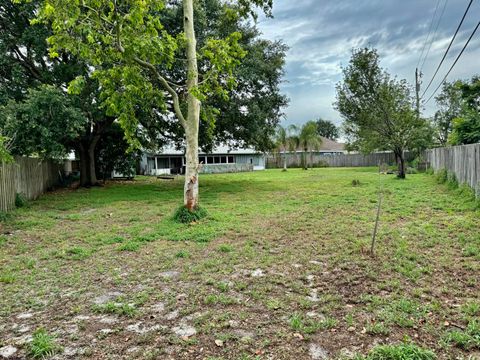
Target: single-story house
[[221, 160]]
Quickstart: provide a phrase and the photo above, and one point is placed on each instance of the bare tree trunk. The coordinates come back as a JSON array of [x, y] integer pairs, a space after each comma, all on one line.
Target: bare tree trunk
[[190, 198], [285, 161]]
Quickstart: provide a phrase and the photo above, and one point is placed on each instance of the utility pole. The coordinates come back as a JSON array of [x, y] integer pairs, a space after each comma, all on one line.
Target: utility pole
[[418, 75]]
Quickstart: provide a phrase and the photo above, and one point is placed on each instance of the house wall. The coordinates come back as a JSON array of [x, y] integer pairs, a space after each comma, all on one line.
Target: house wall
[[225, 168]]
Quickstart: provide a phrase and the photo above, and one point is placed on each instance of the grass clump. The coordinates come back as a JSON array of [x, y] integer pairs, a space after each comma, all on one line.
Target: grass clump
[[185, 216], [129, 246], [43, 345], [468, 339], [310, 326], [182, 254], [400, 352], [355, 182], [115, 308]]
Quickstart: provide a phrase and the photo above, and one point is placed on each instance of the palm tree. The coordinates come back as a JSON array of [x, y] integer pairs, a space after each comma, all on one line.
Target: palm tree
[[309, 141], [293, 139]]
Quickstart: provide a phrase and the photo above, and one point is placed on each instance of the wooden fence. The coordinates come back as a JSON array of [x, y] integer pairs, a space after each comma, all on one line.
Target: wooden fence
[[463, 161], [27, 176], [335, 160]]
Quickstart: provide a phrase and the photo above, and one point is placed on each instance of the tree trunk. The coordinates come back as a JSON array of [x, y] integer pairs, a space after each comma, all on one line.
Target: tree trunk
[[401, 164], [190, 197], [285, 161], [88, 175]]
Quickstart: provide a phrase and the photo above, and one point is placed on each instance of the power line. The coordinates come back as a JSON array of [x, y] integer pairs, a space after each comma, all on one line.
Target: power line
[[453, 65], [448, 48], [429, 31], [434, 36]]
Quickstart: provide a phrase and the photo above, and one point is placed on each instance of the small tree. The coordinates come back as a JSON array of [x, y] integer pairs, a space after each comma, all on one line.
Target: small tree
[[309, 141], [327, 129], [377, 110], [132, 52]]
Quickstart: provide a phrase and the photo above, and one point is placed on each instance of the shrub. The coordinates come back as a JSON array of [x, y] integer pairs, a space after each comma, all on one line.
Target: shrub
[[185, 216], [441, 176], [20, 200], [400, 352], [43, 345], [355, 182]]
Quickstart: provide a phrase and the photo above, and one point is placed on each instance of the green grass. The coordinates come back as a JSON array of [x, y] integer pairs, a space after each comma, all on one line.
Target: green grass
[[400, 352], [246, 272]]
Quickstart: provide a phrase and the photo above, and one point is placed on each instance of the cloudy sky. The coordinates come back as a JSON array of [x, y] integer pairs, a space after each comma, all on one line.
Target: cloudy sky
[[321, 34]]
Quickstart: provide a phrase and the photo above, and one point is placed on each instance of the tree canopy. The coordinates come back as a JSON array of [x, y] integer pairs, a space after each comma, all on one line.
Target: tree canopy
[[327, 129]]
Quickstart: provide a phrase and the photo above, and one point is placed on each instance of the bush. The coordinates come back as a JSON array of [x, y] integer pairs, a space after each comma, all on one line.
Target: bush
[[185, 216], [355, 182], [400, 352], [441, 176], [20, 200]]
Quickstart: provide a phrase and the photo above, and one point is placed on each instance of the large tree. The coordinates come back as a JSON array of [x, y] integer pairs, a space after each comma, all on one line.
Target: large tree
[[25, 65], [327, 129], [377, 109], [132, 52]]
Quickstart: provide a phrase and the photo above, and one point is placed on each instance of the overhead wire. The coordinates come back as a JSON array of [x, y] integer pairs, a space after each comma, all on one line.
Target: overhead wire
[[455, 62], [448, 48]]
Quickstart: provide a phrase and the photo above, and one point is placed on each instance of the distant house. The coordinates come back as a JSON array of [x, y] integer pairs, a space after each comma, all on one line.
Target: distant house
[[222, 160]]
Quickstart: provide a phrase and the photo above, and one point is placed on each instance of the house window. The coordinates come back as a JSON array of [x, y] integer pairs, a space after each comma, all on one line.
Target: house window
[[210, 160], [202, 159], [217, 159], [223, 159], [231, 160]]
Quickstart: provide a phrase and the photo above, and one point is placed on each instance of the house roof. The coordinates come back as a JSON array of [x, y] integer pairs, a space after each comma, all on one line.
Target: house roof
[[331, 145]]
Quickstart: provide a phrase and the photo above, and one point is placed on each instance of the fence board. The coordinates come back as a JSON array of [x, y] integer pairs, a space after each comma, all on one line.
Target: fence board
[[28, 176], [336, 160], [463, 161]]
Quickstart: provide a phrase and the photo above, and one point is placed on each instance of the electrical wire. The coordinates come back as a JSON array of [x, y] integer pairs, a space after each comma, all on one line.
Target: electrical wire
[[448, 48], [434, 34], [429, 31], [456, 60]]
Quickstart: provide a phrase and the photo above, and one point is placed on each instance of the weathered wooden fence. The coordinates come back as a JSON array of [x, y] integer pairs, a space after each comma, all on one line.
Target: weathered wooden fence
[[27, 176], [463, 161], [335, 160]]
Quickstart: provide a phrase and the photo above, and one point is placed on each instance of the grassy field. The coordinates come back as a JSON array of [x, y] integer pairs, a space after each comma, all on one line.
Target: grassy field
[[280, 269]]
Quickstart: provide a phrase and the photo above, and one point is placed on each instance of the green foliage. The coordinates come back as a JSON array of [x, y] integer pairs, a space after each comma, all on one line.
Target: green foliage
[[20, 200], [452, 181], [182, 254], [449, 102], [327, 129], [113, 154], [441, 176], [44, 123], [4, 151], [185, 216], [43, 345], [400, 352], [466, 125], [309, 140]]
